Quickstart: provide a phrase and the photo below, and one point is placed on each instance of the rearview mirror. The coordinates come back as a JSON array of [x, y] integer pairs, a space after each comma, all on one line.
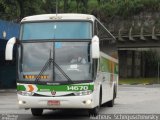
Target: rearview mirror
[[9, 49], [95, 47]]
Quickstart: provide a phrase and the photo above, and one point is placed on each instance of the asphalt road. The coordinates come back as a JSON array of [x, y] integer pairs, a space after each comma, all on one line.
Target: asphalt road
[[131, 99]]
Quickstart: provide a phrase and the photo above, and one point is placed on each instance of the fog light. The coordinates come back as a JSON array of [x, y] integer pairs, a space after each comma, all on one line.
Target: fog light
[[87, 102], [21, 102]]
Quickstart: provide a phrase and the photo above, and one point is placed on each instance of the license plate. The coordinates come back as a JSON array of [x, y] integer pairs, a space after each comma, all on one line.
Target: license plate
[[53, 102]]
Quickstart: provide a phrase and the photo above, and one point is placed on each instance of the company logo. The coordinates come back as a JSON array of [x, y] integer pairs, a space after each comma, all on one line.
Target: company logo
[[53, 92]]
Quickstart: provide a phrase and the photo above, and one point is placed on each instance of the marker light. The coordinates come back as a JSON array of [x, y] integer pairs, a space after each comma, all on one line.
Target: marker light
[[35, 76]]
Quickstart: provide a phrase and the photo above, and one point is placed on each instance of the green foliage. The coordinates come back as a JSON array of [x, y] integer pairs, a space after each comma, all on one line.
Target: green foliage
[[9, 9], [151, 5], [128, 8], [17, 9], [108, 9], [48, 6], [32, 7]]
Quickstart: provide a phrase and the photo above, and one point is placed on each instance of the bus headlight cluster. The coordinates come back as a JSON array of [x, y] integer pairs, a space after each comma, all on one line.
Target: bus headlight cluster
[[80, 93], [25, 93]]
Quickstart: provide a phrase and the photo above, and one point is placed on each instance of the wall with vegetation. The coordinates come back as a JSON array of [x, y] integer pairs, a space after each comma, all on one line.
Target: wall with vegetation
[[115, 14], [106, 9]]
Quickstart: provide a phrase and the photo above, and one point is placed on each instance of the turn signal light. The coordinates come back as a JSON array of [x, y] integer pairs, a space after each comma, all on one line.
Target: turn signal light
[[35, 76]]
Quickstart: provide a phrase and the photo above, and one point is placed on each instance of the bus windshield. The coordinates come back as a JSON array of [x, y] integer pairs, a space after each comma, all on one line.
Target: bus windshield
[[56, 30], [72, 57]]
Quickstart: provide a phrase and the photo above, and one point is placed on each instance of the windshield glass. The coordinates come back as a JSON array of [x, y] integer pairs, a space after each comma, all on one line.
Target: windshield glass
[[72, 57], [56, 30]]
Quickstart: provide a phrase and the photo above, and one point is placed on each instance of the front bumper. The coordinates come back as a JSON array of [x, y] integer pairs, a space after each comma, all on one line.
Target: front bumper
[[65, 102]]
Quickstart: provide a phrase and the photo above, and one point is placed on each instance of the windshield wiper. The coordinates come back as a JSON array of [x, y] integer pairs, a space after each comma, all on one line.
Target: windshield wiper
[[47, 64]]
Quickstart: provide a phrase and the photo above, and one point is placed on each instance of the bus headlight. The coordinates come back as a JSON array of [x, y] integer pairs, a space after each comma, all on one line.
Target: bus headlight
[[21, 102], [88, 102], [25, 93], [80, 93]]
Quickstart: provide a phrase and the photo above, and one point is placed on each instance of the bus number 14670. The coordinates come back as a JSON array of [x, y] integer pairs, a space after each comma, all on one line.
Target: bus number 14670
[[77, 88]]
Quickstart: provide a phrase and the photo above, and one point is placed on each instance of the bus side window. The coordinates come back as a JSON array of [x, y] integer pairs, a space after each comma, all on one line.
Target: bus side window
[[100, 33], [95, 67], [96, 28], [99, 69], [106, 42]]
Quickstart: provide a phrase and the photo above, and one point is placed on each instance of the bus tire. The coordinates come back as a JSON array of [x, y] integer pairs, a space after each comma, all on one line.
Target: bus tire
[[115, 92], [111, 102], [95, 111], [36, 111]]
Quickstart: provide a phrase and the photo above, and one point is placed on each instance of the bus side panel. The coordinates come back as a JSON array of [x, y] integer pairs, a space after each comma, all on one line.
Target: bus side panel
[[109, 79]]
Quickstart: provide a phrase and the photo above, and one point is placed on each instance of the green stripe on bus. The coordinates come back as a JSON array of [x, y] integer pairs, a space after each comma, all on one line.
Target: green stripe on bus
[[21, 87], [65, 87], [77, 87]]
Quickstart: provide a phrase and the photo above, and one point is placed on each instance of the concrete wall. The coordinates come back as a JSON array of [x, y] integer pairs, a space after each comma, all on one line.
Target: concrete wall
[[129, 63], [139, 63]]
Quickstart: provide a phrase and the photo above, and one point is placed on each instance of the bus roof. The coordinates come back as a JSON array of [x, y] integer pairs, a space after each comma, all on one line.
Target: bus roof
[[52, 17]]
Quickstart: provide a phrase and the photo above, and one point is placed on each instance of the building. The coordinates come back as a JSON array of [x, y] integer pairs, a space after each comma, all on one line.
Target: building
[[7, 30]]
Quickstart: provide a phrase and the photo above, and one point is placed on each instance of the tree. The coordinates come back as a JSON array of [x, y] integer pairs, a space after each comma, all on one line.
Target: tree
[[7, 8], [82, 4], [49, 6], [17, 9], [65, 5]]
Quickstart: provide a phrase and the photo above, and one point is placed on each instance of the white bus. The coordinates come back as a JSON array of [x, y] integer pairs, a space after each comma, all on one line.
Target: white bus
[[64, 61]]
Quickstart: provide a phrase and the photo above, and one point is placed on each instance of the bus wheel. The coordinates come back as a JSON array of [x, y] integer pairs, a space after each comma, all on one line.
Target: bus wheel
[[36, 112], [115, 92], [94, 111], [111, 102]]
